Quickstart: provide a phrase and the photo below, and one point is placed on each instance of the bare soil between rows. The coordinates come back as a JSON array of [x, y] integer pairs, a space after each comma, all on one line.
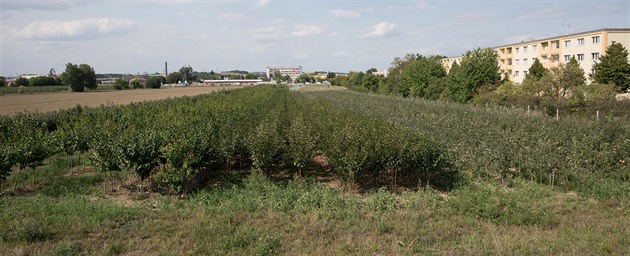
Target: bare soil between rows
[[13, 104]]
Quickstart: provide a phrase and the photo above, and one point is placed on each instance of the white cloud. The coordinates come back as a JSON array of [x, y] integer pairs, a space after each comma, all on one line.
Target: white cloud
[[75, 29], [542, 14], [307, 30], [338, 13], [231, 16], [383, 29], [423, 5], [263, 3], [267, 34]]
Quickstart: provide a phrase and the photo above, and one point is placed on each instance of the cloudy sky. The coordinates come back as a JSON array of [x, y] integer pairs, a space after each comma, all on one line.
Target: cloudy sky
[[116, 36]]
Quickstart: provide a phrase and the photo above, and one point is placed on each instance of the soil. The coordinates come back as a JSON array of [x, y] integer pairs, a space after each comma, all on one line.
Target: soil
[[13, 104]]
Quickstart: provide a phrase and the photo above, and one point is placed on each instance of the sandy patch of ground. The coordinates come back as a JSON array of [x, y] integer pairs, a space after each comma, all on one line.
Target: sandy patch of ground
[[13, 104]]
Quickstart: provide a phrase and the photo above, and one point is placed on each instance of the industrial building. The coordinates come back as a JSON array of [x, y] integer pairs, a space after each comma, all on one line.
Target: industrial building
[[292, 72], [587, 47]]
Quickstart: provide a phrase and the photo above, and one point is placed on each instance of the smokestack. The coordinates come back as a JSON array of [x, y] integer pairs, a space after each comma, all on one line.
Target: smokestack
[[165, 69]]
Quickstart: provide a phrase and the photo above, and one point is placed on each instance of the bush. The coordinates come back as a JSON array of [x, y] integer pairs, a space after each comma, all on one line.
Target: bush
[[154, 82]]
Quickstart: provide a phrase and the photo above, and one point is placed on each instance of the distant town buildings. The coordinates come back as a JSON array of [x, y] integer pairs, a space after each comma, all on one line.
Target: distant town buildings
[[587, 47], [292, 72]]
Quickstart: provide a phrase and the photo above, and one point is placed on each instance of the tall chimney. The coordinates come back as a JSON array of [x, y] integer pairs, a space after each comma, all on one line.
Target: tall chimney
[[165, 69]]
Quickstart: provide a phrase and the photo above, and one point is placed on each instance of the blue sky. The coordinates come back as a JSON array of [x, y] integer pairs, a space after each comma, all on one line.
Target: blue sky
[[138, 36]]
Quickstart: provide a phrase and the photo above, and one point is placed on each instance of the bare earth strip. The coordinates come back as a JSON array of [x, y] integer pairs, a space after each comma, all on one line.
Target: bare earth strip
[[13, 104]]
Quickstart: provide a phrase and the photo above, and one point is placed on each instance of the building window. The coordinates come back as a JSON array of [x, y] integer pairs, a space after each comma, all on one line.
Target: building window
[[555, 44], [596, 40], [580, 57], [515, 73], [595, 55], [534, 48], [525, 62], [567, 43], [516, 62], [516, 49], [580, 41], [509, 61], [524, 49], [525, 73], [567, 58]]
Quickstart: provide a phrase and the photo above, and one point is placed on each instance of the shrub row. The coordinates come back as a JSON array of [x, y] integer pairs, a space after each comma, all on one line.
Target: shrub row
[[178, 143]]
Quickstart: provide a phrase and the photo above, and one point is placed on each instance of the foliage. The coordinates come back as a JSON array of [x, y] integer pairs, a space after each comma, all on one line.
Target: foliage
[[536, 71], [43, 81], [77, 78], [154, 82], [21, 81], [478, 68], [613, 67], [3, 81], [173, 78], [419, 75], [121, 84], [135, 84], [188, 74]]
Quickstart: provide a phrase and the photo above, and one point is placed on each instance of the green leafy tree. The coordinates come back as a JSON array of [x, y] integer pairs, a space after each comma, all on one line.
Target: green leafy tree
[[394, 74], [613, 67], [154, 82], [331, 75], [419, 75], [536, 71], [77, 78], [42, 81], [174, 78], [371, 81], [571, 75], [21, 81], [121, 84], [3, 81], [188, 74], [135, 84], [478, 68]]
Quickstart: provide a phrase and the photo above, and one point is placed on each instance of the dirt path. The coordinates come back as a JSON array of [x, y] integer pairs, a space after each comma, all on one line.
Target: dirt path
[[13, 104]]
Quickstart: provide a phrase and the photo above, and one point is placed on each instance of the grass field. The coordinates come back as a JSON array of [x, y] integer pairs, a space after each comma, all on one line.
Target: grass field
[[12, 104], [68, 207]]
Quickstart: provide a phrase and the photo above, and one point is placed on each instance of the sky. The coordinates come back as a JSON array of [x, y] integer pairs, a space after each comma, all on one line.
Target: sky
[[138, 36]]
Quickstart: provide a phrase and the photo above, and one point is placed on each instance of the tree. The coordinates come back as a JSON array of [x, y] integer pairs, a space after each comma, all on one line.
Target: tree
[[42, 81], [536, 71], [331, 75], [478, 68], [188, 74], [154, 82], [419, 75], [135, 84], [21, 81], [395, 72], [3, 81], [613, 67], [121, 84], [174, 78], [77, 78], [571, 75]]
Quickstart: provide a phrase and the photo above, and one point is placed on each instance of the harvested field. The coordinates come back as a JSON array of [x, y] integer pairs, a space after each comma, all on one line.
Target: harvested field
[[13, 104]]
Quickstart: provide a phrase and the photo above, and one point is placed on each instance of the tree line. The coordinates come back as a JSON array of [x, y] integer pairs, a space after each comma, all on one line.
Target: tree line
[[478, 79]]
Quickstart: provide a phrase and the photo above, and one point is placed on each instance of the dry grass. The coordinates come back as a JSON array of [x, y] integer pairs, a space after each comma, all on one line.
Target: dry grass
[[13, 104]]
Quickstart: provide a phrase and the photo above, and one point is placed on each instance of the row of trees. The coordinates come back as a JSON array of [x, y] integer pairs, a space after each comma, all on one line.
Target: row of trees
[[479, 74]]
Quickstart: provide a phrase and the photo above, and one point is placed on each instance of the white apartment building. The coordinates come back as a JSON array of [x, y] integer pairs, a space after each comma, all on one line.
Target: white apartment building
[[293, 72], [587, 47]]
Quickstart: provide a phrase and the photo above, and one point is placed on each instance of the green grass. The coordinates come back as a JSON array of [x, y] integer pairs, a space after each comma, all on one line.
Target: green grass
[[257, 216]]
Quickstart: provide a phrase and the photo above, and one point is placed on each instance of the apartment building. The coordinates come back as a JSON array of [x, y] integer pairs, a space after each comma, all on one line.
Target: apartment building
[[293, 72], [587, 47]]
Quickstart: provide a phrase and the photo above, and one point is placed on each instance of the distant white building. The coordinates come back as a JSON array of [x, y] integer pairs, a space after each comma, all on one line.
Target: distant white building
[[292, 72]]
